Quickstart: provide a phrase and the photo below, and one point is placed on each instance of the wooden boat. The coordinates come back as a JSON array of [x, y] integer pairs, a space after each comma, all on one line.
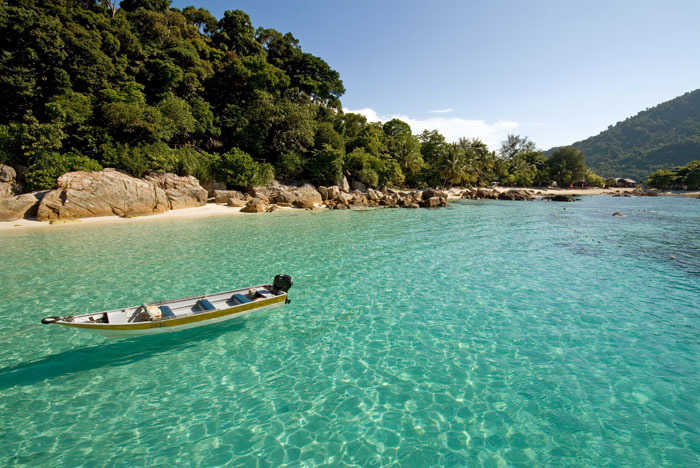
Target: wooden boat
[[180, 314]]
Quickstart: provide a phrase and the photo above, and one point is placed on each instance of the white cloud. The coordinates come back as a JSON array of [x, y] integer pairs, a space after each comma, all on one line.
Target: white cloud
[[442, 111], [370, 114], [453, 128]]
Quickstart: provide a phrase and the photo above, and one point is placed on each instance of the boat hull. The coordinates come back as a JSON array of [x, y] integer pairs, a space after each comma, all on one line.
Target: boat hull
[[179, 324]]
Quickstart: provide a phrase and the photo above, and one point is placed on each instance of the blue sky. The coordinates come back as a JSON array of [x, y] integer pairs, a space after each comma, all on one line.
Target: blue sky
[[556, 71]]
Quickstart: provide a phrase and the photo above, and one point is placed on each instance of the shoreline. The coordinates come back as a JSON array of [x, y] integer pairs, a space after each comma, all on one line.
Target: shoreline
[[213, 209], [204, 211]]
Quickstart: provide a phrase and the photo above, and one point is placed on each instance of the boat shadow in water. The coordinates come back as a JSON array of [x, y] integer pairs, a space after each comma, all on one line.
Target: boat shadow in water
[[111, 353]]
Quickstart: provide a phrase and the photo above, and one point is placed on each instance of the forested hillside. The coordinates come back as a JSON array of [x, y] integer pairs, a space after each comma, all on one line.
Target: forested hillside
[[665, 135], [143, 87], [681, 178]]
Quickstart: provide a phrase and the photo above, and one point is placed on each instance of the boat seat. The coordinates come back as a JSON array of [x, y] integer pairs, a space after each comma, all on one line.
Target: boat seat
[[239, 299], [264, 293], [166, 311], [205, 305], [117, 317]]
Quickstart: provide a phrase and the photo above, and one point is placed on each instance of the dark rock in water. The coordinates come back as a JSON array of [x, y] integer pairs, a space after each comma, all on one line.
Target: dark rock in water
[[434, 202], [431, 193], [84, 194], [560, 198], [486, 194], [515, 195], [618, 214], [647, 193], [468, 194]]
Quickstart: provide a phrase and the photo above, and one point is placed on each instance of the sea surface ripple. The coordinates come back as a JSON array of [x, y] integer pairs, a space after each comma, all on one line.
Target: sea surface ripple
[[486, 334]]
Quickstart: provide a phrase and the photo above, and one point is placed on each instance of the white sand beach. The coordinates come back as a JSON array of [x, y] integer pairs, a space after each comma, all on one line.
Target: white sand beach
[[210, 209]]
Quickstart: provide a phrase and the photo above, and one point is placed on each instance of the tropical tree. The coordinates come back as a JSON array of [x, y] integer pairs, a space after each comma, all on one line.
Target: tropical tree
[[567, 165]]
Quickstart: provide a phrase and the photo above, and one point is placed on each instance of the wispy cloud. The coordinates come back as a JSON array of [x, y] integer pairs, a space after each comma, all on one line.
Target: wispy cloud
[[442, 111], [453, 128]]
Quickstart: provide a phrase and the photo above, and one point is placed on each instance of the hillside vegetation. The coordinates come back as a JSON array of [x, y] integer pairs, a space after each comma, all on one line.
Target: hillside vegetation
[[143, 88], [681, 178], [665, 135]]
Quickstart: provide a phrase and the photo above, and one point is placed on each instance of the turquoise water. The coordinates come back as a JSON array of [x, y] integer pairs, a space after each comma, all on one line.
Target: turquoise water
[[487, 334]]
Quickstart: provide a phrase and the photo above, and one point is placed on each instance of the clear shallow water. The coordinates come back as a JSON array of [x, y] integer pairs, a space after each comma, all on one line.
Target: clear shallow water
[[486, 334]]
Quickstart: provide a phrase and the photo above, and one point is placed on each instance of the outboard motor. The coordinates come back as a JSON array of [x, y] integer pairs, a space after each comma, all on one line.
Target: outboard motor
[[282, 283]]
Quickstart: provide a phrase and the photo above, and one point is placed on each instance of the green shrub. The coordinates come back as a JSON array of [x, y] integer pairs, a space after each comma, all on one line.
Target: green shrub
[[190, 162], [290, 164], [49, 166], [239, 170], [594, 179], [325, 166], [140, 160], [686, 177], [178, 121], [391, 173], [368, 176]]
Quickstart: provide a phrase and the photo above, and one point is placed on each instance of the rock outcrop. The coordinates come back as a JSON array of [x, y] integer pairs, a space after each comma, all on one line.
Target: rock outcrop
[[516, 195], [644, 193], [305, 196], [336, 198], [104, 193], [255, 205], [7, 181], [430, 198], [236, 202], [480, 194], [329, 193], [19, 206], [223, 196], [181, 191]]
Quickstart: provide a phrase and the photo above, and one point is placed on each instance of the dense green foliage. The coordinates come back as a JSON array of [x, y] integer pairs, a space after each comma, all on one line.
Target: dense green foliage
[[682, 178], [663, 136], [144, 87]]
